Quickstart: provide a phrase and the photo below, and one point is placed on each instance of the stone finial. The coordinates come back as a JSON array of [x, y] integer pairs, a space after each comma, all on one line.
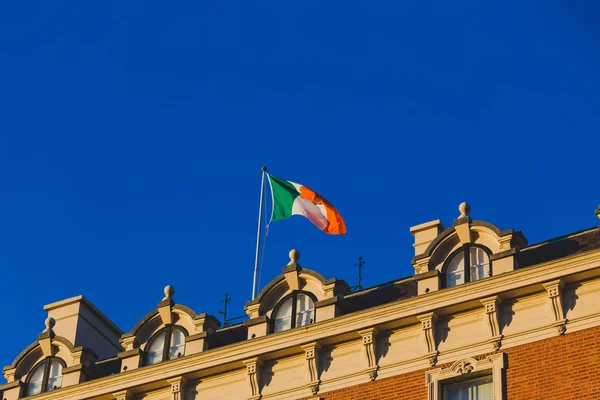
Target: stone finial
[[464, 209], [50, 322], [598, 212], [169, 292], [294, 256]]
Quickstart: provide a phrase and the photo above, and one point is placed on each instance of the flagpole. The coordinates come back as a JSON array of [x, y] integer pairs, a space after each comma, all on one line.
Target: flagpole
[[260, 209]]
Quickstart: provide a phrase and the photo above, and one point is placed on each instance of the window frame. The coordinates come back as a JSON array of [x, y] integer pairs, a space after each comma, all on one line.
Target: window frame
[[47, 362], [466, 250], [294, 296], [465, 370], [168, 330], [469, 382]]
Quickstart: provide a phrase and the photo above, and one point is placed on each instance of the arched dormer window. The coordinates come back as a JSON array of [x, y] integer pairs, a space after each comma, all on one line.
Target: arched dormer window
[[167, 344], [468, 264], [296, 309], [45, 376]]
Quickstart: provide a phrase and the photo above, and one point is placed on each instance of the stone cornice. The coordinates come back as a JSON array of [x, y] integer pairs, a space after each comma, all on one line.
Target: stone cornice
[[408, 308]]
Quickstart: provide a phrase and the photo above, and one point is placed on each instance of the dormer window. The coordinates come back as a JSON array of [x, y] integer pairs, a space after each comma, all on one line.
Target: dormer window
[[44, 377], [477, 260], [297, 309], [167, 344]]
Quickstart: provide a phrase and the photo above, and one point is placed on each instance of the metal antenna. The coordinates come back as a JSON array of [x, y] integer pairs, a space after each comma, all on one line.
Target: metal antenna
[[360, 265], [225, 301]]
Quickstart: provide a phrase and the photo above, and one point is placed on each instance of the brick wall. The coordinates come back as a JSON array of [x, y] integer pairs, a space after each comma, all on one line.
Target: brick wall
[[563, 367], [560, 368]]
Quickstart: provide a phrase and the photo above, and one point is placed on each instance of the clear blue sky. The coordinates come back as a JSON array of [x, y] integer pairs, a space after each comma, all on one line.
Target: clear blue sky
[[132, 135]]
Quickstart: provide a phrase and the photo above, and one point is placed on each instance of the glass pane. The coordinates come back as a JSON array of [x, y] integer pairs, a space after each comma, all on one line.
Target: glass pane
[[480, 264], [283, 319], [455, 274], [155, 352], [35, 380], [304, 310], [476, 389], [55, 376], [177, 348]]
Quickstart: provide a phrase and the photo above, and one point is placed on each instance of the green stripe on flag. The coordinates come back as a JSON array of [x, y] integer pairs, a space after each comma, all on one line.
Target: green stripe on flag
[[284, 194]]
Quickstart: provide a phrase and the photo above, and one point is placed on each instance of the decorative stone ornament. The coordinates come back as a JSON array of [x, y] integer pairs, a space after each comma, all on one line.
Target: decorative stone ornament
[[555, 289], [169, 292], [50, 323], [428, 326], [464, 208], [253, 373], [165, 306], [294, 256], [369, 339], [290, 271], [463, 367], [461, 224], [45, 338], [177, 387], [492, 305], [311, 354]]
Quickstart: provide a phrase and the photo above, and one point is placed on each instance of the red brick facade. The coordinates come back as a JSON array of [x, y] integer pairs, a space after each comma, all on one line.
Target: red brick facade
[[560, 368]]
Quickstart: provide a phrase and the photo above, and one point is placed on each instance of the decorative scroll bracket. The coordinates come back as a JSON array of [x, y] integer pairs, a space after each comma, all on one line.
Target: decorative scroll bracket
[[122, 395], [555, 289], [369, 339], [311, 353], [428, 326], [492, 306], [177, 387], [253, 371]]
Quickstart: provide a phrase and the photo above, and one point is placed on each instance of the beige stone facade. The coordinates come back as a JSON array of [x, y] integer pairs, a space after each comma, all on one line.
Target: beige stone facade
[[440, 327]]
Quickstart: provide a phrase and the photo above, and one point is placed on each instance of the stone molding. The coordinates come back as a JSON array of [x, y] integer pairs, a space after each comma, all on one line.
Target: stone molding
[[494, 364]]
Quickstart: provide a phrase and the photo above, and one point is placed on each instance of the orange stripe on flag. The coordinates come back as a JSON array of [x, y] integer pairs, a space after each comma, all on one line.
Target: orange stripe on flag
[[336, 225]]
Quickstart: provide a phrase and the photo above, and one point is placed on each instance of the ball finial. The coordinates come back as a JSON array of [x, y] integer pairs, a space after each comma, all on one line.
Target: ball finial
[[169, 292], [50, 322], [294, 255], [464, 209]]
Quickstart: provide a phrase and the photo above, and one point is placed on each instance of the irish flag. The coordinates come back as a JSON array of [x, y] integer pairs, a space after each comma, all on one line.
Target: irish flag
[[291, 198]]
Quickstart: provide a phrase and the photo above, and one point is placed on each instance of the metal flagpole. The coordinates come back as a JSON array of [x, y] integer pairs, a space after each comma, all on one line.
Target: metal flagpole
[[260, 208]]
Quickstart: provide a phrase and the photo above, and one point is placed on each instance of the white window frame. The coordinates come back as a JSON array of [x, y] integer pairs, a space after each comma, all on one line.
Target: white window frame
[[466, 368]]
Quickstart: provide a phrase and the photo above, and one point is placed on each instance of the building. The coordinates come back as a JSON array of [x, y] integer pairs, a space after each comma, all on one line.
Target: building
[[484, 316]]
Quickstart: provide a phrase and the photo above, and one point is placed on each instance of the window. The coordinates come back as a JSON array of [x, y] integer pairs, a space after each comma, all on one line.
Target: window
[[298, 309], [168, 344], [45, 376], [468, 379], [476, 258], [474, 389]]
